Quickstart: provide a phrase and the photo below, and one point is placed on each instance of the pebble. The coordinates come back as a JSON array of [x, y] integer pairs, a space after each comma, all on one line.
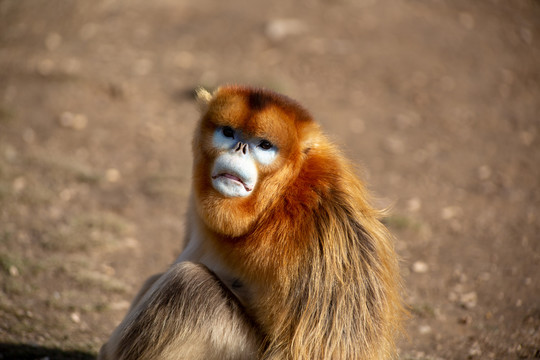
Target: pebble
[[424, 329], [13, 271], [75, 317], [131, 243], [112, 175], [73, 121], [420, 267], [450, 212], [278, 29], [19, 184], [475, 350], [120, 305], [469, 300], [414, 204]]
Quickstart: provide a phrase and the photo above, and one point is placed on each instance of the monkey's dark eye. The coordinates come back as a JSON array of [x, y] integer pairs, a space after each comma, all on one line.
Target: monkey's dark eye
[[228, 132], [265, 145]]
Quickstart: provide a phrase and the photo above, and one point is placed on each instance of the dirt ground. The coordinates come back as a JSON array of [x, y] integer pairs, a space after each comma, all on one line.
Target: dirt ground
[[437, 101]]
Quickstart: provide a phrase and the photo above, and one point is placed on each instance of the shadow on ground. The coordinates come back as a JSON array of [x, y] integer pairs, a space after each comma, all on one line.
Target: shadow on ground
[[30, 352]]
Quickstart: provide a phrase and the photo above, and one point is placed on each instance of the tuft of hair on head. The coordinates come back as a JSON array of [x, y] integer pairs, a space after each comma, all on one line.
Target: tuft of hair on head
[[203, 98]]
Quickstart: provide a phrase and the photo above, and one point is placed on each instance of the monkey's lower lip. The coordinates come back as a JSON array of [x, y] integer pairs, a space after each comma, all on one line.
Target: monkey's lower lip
[[234, 178]]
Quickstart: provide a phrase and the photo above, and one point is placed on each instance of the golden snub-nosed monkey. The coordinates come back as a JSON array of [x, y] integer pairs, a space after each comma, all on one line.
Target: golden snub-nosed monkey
[[285, 257]]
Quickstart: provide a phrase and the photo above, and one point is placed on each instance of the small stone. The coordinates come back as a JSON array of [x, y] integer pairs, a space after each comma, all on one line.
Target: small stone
[[120, 305], [424, 329], [112, 175], [19, 184], [13, 271], [469, 300], [414, 204], [450, 212], [67, 194], [420, 267], [75, 317], [475, 350], [519, 303], [73, 121], [278, 29]]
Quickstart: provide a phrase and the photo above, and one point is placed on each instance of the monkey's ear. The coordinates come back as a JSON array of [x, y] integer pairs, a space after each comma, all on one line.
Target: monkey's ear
[[203, 97], [311, 139]]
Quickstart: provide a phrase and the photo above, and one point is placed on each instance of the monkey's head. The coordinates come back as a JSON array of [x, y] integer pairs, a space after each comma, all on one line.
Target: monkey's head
[[248, 146]]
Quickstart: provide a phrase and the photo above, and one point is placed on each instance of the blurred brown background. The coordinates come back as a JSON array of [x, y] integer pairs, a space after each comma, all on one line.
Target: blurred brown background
[[437, 101]]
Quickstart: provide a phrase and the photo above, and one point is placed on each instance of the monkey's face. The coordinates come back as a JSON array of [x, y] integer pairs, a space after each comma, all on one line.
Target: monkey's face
[[236, 167], [247, 148]]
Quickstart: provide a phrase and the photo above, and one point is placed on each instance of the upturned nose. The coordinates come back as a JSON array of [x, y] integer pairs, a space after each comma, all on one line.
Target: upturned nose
[[241, 147]]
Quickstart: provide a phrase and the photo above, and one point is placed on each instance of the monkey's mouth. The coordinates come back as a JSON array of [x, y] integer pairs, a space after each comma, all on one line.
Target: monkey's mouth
[[234, 179]]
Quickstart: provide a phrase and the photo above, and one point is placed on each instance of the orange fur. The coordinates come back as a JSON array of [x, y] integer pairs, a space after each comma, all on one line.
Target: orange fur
[[311, 269], [307, 239]]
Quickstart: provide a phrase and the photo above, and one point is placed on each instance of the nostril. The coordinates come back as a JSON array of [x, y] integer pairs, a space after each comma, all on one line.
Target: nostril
[[238, 146], [244, 149]]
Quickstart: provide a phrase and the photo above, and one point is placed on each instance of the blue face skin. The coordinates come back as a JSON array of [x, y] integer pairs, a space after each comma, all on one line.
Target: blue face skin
[[234, 173]]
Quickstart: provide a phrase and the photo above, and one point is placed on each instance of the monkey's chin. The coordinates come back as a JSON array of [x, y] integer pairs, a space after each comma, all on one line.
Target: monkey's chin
[[230, 187]]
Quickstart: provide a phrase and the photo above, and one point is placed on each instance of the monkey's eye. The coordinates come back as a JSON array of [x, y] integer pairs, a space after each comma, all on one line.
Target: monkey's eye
[[228, 132], [265, 145]]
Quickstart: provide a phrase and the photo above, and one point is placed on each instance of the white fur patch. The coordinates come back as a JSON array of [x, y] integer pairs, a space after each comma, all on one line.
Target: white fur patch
[[238, 165]]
